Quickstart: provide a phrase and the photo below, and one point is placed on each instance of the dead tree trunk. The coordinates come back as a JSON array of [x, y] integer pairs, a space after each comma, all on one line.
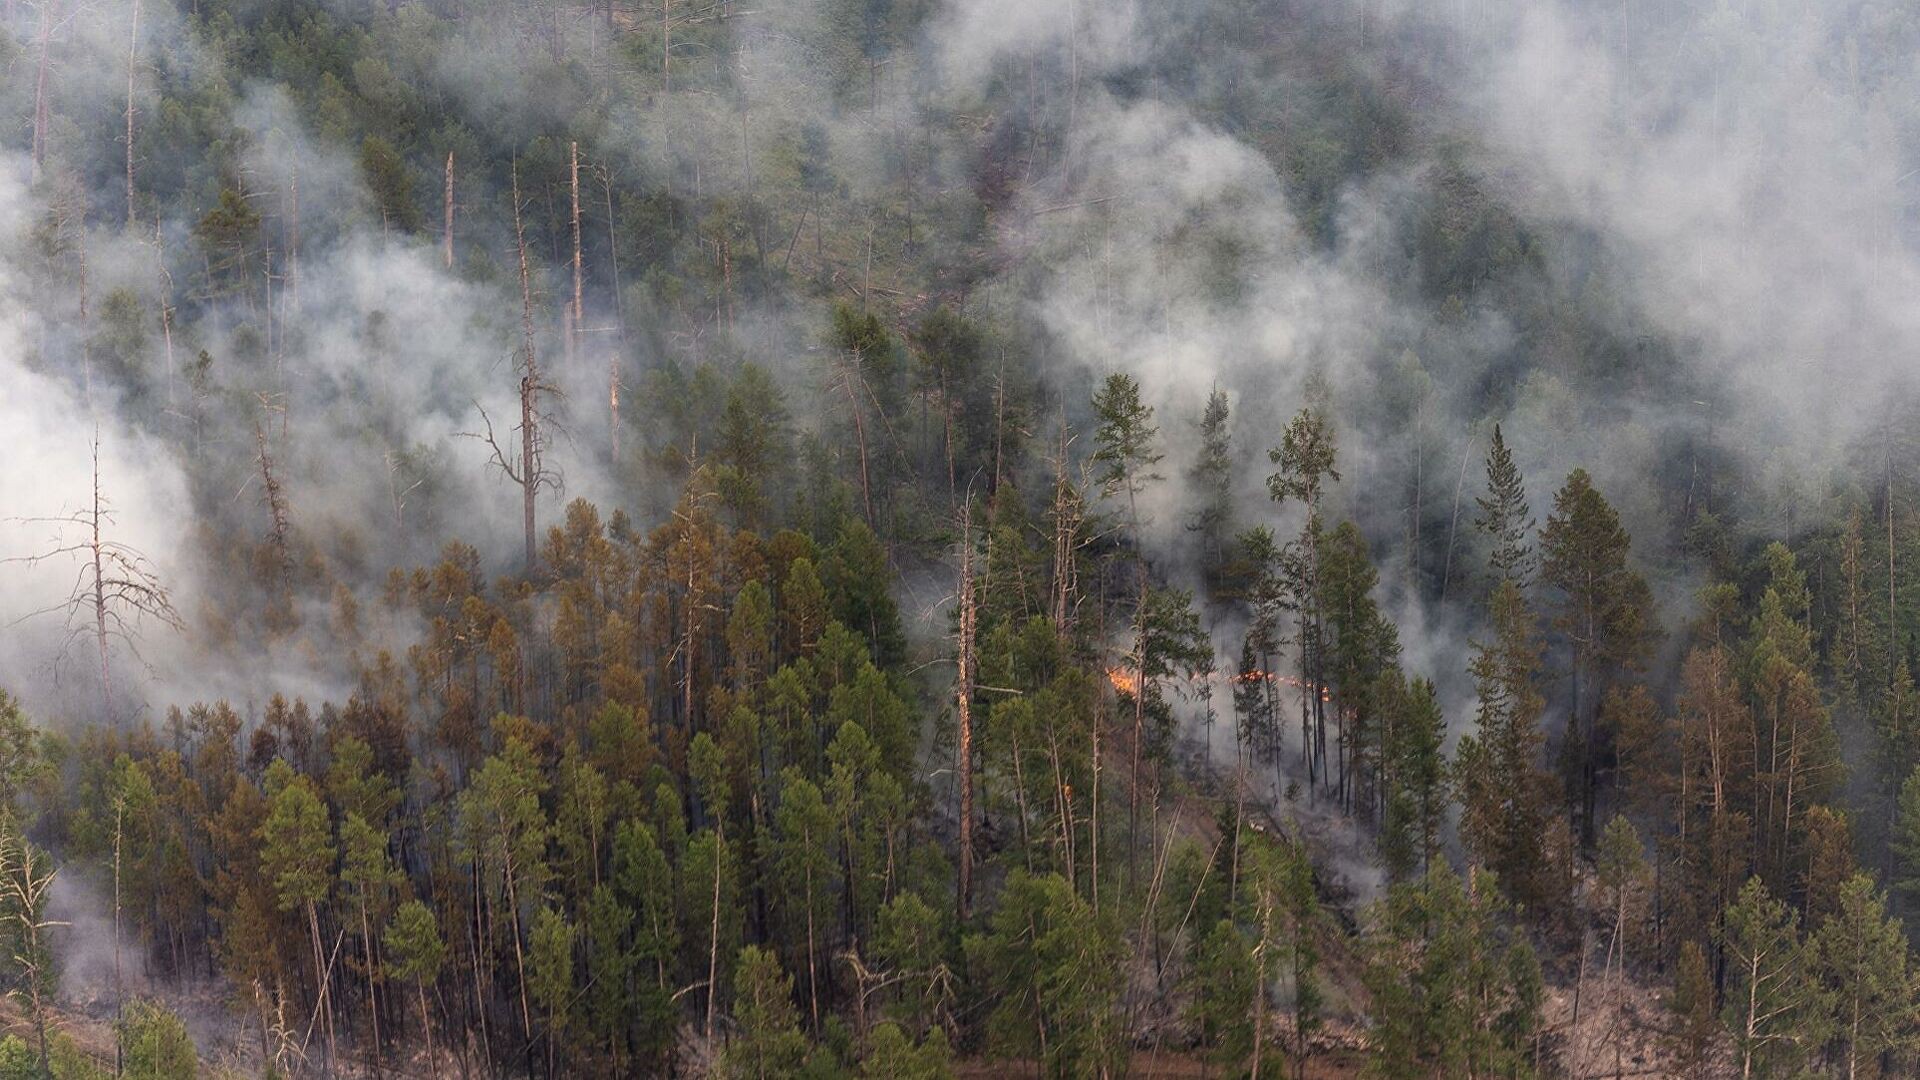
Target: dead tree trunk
[[963, 693], [578, 265], [133, 54], [529, 380], [446, 238], [40, 108], [276, 501]]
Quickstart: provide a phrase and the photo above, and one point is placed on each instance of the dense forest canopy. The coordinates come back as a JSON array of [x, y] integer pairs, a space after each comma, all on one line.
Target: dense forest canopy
[[903, 538]]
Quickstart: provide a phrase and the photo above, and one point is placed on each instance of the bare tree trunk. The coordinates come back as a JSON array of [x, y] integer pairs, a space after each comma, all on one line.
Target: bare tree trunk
[[293, 240], [325, 982], [529, 382], [1094, 797], [1453, 521], [276, 502], [133, 53], [713, 931], [99, 585], [860, 435], [963, 692], [47, 9], [426, 1025], [579, 310], [446, 232], [1139, 729], [373, 1001], [119, 815]]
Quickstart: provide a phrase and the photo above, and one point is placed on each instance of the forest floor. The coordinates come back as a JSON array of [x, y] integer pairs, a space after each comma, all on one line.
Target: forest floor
[[1162, 1066]]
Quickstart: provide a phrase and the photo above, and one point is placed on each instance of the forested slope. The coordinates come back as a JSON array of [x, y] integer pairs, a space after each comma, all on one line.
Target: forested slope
[[884, 537]]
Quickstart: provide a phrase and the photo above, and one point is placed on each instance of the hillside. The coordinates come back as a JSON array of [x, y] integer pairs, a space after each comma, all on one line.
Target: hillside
[[922, 538]]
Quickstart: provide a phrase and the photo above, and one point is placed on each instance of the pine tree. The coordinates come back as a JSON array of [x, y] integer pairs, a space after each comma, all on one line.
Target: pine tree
[[297, 855], [1504, 794], [643, 882], [1860, 959], [803, 861], [154, 1044], [1360, 645], [415, 952], [1211, 481], [367, 871], [1770, 1005], [1415, 776], [1621, 868], [1906, 842], [550, 977], [1604, 613], [1694, 1023], [1127, 444], [1051, 967], [1454, 994], [1829, 863], [1223, 982], [607, 926], [1306, 461], [1505, 518], [768, 1043], [891, 1055]]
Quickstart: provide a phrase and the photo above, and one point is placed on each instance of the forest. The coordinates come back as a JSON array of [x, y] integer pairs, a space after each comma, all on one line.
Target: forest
[[932, 539]]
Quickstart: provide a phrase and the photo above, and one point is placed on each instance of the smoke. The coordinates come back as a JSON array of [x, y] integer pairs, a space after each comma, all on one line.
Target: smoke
[[1262, 198]]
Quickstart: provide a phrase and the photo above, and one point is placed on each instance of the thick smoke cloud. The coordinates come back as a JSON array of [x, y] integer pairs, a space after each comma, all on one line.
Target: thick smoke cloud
[[1731, 184]]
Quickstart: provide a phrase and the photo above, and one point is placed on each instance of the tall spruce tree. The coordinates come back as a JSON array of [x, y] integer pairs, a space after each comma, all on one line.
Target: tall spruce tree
[[1504, 793], [1603, 610], [1210, 480], [1505, 518]]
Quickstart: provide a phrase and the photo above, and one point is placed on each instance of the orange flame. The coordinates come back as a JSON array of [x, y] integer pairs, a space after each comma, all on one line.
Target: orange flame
[[1326, 693], [1124, 681]]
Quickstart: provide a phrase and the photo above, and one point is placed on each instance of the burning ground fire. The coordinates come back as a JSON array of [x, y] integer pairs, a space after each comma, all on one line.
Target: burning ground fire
[[1127, 681]]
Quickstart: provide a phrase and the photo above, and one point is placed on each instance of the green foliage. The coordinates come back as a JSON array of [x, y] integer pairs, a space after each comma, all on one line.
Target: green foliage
[[1223, 982], [1505, 518], [1126, 440], [17, 1059], [154, 1044], [1454, 992], [767, 1042], [1772, 1007], [1052, 968], [414, 948], [296, 840], [1505, 797], [1413, 774], [891, 1055], [1867, 991]]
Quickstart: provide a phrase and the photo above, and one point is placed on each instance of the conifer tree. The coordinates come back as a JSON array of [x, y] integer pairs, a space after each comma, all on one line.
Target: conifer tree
[[550, 977], [1211, 481], [1504, 794], [1505, 518], [415, 953], [297, 856], [891, 1055], [1694, 1022], [768, 1043], [1224, 982], [802, 855], [1603, 611], [1860, 958], [1621, 868], [1771, 1007], [1051, 966], [1414, 776], [1306, 461], [1127, 444]]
